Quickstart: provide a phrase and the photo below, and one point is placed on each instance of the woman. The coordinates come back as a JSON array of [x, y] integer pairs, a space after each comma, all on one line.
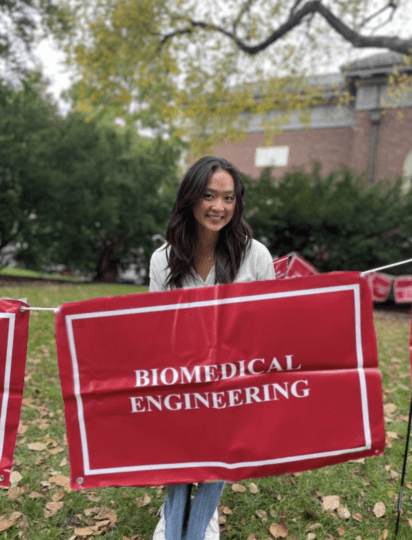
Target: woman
[[208, 243]]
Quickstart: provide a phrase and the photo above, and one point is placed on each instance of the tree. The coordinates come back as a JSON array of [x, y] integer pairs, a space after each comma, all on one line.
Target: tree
[[26, 118], [110, 192], [21, 22], [167, 62]]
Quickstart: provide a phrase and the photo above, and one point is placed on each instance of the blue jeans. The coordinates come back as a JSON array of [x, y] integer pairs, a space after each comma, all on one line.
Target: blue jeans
[[187, 518]]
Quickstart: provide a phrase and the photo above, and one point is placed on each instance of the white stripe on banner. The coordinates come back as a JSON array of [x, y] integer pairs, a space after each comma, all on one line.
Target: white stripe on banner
[[7, 374], [254, 298]]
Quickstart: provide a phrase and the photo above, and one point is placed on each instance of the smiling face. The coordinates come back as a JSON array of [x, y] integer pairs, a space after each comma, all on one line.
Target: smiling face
[[215, 208]]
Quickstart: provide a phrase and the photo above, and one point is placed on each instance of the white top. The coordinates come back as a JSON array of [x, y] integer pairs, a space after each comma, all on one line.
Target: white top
[[256, 266]]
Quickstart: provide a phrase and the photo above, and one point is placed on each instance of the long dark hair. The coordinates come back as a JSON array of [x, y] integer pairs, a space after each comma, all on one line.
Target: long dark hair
[[234, 239]]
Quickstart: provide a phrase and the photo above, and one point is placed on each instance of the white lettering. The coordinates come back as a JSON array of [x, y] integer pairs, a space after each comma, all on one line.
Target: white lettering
[[136, 404], [284, 391], [233, 398], [242, 368], [163, 376], [289, 359], [233, 371], [210, 373], [266, 392], [217, 400], [275, 365], [305, 391], [189, 376], [205, 401], [142, 375], [157, 404], [252, 394], [251, 366], [178, 404], [154, 377]]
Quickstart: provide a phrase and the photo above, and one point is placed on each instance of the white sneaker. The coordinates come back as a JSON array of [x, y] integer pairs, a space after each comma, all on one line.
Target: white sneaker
[[212, 530], [159, 533]]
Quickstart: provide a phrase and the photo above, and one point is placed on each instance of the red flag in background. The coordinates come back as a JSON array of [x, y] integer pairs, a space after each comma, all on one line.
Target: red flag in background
[[281, 266], [226, 382], [402, 289], [14, 326], [299, 267], [380, 285]]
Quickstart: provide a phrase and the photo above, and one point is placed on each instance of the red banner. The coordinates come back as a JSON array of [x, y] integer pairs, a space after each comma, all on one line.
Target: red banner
[[229, 382], [402, 289], [380, 285], [281, 266], [14, 327], [300, 267]]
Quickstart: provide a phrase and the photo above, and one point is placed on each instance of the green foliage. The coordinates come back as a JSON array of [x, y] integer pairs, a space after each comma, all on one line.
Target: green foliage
[[336, 222]]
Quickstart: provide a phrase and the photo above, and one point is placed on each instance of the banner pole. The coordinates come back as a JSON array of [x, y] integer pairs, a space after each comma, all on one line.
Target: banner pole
[[405, 457], [384, 267]]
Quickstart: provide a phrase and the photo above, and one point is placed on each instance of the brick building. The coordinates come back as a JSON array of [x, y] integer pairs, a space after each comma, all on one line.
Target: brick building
[[373, 134]]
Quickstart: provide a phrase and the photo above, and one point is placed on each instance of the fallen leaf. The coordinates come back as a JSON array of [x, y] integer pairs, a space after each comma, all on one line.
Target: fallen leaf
[[253, 488], [63, 462], [253, 536], [37, 495], [52, 508], [37, 446], [279, 531], [311, 536], [59, 495], [92, 497], [56, 450], [238, 488], [15, 492], [61, 480], [91, 511], [389, 408], [385, 534], [330, 502], [6, 523], [22, 429], [312, 527], [390, 437], [341, 530], [87, 531], [144, 500], [379, 509], [357, 516], [15, 478], [24, 523], [343, 512], [261, 513], [226, 510]]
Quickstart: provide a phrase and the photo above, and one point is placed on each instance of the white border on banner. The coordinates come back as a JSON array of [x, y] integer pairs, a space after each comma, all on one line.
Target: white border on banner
[[189, 305], [7, 374]]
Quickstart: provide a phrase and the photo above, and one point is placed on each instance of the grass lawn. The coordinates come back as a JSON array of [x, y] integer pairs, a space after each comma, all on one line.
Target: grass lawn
[[23, 272], [44, 508]]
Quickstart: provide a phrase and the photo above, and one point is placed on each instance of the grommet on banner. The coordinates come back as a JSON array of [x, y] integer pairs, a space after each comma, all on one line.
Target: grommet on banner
[[1, 478], [80, 480], [22, 308]]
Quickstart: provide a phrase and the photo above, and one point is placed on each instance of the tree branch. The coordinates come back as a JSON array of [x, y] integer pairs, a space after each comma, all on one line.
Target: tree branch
[[396, 44], [390, 4]]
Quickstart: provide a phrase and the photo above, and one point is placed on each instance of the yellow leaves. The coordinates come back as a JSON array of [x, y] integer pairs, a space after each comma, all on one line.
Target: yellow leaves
[[60, 480], [341, 530], [253, 488], [390, 437], [15, 478], [379, 509], [279, 530], [343, 512], [37, 446]]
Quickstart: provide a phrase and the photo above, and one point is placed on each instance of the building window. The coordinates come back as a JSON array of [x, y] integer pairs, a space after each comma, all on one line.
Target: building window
[[272, 156], [407, 173]]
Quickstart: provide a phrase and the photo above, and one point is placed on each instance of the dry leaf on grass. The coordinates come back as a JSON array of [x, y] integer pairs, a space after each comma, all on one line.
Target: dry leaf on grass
[[330, 502], [389, 408], [261, 513], [253, 488], [52, 508], [343, 512], [385, 533], [37, 495], [379, 509], [15, 492], [226, 510], [60, 480], [357, 516], [88, 531], [59, 495], [279, 530], [238, 488], [311, 536], [341, 530], [37, 446], [15, 478], [253, 536], [6, 523], [63, 462], [312, 527], [390, 437], [144, 500]]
